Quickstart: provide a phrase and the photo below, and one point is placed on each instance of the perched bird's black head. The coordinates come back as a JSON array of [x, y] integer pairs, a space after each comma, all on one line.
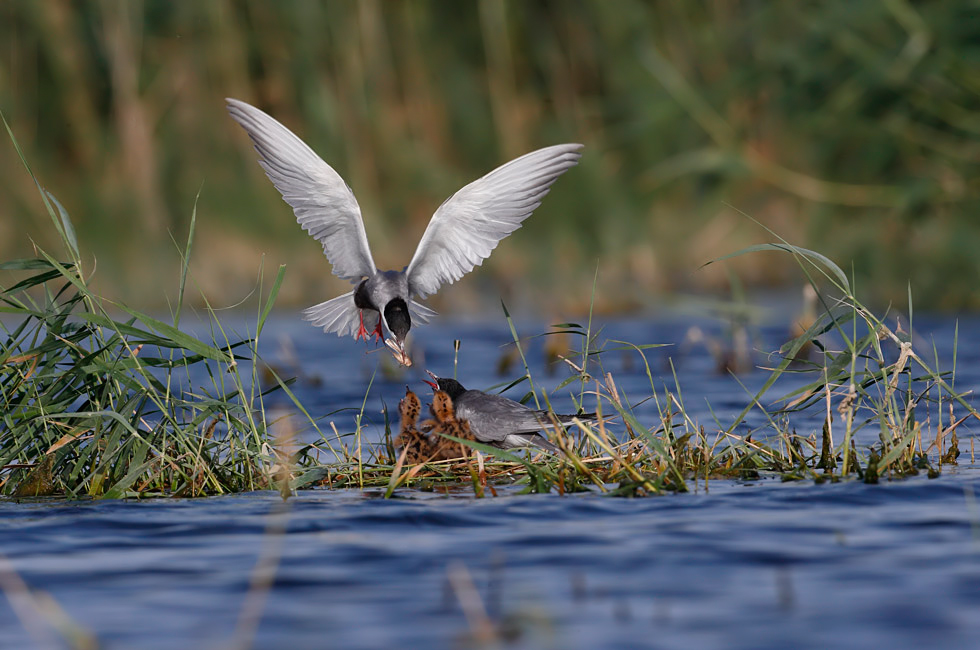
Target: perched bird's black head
[[396, 315], [451, 387]]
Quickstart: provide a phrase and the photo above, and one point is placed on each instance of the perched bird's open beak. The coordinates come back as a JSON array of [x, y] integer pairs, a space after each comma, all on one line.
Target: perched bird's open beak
[[435, 379]]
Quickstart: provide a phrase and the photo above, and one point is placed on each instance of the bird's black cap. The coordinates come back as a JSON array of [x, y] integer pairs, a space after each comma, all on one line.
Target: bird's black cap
[[398, 319], [451, 387]]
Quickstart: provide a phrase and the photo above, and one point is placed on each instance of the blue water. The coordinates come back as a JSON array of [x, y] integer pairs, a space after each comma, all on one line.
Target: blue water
[[760, 564]]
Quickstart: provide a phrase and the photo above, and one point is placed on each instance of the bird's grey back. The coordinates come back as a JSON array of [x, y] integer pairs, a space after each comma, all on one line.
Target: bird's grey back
[[493, 417]]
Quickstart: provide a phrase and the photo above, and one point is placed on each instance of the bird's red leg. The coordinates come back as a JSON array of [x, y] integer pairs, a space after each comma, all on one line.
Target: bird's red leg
[[361, 332], [377, 330]]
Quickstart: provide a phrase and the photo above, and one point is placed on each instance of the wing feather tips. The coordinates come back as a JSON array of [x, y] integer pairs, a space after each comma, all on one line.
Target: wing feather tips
[[314, 190], [268, 135], [470, 224], [337, 316]]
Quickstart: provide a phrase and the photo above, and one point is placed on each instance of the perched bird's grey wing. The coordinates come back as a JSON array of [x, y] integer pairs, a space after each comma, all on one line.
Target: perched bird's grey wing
[[324, 205], [470, 223], [502, 422], [494, 417], [339, 315]]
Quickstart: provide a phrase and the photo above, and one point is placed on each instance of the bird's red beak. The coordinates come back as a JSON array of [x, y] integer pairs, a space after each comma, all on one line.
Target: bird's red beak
[[434, 384]]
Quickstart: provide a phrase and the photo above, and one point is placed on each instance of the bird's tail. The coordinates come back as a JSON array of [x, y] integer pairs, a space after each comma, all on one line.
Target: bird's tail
[[566, 420], [420, 312], [338, 315]]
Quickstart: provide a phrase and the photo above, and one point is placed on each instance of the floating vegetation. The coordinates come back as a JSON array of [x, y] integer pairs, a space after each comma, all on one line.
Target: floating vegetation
[[100, 400], [866, 378], [95, 406]]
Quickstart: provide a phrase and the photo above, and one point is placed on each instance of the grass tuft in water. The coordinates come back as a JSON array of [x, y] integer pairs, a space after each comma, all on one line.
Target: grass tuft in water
[[97, 398], [868, 377]]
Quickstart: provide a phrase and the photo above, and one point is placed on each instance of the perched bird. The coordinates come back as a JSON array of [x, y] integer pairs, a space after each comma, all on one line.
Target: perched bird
[[419, 449], [446, 422], [499, 421], [460, 235]]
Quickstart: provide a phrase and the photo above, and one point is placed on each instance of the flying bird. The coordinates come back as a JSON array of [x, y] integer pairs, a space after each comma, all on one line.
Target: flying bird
[[461, 233], [499, 421]]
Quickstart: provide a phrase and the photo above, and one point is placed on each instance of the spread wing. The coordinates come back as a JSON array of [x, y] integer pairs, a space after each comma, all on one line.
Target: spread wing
[[324, 205], [338, 315], [470, 223], [494, 417]]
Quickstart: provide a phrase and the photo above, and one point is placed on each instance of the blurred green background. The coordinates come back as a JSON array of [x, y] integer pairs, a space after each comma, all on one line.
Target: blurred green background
[[849, 127]]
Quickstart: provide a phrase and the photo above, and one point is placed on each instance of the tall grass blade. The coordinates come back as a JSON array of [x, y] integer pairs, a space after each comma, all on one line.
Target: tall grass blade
[[270, 301]]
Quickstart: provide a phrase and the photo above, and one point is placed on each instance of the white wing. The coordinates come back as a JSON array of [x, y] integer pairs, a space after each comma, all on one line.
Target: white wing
[[339, 315], [472, 221], [324, 205]]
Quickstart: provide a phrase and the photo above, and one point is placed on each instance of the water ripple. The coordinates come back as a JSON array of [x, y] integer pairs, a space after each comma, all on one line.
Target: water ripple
[[758, 564]]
